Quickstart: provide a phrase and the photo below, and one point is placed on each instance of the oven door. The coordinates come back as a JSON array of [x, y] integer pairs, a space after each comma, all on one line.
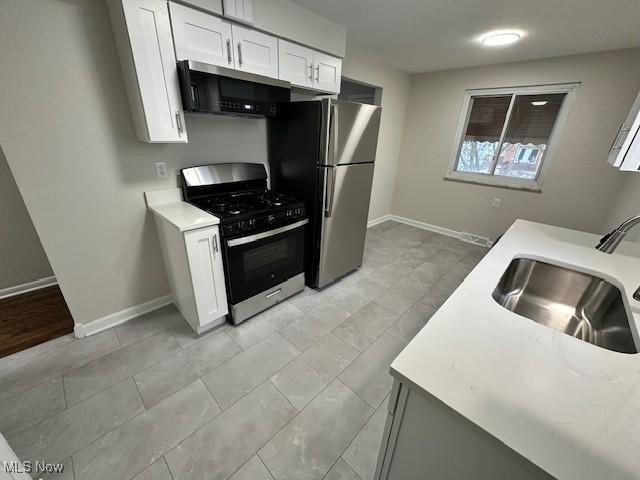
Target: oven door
[[258, 262]]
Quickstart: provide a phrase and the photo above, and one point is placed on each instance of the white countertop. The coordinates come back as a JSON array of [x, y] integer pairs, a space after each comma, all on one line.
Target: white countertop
[[568, 406], [168, 205]]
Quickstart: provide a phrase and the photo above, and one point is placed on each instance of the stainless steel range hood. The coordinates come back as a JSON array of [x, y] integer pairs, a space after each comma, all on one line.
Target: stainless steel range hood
[[237, 74]]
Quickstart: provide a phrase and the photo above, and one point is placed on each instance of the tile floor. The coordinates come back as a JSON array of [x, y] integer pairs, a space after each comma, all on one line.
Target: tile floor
[[298, 392]]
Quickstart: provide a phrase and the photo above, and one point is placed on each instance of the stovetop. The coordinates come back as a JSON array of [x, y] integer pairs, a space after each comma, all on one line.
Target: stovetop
[[251, 211], [231, 206]]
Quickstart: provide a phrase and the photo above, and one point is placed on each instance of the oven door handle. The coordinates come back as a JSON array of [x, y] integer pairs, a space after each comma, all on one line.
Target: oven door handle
[[259, 236]]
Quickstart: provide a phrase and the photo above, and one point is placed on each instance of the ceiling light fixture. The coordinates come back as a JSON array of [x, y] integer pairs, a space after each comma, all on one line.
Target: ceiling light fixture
[[539, 103], [498, 39]]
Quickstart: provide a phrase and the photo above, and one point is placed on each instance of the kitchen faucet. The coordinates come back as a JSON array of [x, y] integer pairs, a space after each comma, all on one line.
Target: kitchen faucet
[[611, 240]]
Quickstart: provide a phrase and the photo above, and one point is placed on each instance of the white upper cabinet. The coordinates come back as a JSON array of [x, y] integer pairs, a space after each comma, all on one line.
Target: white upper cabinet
[[295, 64], [201, 37], [142, 31], [238, 10], [625, 150], [327, 72], [307, 68], [255, 52]]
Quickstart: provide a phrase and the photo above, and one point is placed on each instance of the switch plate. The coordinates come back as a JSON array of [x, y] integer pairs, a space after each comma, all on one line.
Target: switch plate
[[161, 169], [496, 203]]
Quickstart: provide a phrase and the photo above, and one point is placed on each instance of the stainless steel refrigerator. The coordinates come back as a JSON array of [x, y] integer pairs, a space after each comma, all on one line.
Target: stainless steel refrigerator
[[323, 152]]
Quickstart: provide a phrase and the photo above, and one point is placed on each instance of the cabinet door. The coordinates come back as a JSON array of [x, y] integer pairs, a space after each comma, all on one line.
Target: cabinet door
[[295, 63], [620, 149], [328, 72], [207, 273], [256, 52], [145, 45], [239, 9], [631, 161], [201, 37]]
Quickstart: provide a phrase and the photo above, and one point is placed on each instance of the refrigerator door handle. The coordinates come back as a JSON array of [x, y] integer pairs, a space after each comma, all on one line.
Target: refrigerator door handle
[[330, 187], [331, 148], [327, 135], [334, 134]]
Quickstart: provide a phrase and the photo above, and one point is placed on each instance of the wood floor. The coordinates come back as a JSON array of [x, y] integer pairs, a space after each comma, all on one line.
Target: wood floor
[[33, 318]]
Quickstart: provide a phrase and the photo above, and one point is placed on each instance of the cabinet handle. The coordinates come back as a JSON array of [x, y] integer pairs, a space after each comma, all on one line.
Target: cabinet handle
[[311, 72], [239, 54], [215, 244], [179, 122], [317, 73], [614, 145], [229, 59]]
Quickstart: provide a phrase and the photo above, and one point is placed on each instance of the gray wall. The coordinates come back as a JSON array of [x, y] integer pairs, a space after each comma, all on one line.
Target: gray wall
[[626, 206], [579, 188], [364, 67], [68, 137], [22, 258]]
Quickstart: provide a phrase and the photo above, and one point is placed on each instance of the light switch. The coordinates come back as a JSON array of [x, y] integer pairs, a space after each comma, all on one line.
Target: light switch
[[161, 169]]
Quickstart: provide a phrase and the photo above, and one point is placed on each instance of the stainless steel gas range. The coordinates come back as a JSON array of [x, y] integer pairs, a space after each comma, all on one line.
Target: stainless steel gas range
[[262, 233]]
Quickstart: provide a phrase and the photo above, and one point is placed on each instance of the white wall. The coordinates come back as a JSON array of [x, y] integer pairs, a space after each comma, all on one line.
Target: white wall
[[300, 25], [67, 134], [627, 205], [366, 68], [22, 258], [579, 188]]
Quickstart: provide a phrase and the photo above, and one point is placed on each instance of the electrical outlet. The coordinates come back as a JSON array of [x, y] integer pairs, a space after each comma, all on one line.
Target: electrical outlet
[[496, 203], [161, 169]]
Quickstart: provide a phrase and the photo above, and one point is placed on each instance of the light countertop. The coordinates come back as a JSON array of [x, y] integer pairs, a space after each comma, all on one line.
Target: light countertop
[[568, 406], [168, 205]]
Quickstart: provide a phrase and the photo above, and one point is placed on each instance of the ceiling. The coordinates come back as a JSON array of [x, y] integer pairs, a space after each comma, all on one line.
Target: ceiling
[[428, 35]]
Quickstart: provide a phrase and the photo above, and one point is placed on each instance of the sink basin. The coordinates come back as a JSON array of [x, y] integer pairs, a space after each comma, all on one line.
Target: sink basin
[[575, 303]]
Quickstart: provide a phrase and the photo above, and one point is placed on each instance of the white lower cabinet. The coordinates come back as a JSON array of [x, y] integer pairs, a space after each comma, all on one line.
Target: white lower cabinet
[[142, 31], [193, 261], [207, 273], [425, 439]]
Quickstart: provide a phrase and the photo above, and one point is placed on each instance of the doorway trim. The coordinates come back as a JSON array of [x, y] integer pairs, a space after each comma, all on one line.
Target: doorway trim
[[28, 287]]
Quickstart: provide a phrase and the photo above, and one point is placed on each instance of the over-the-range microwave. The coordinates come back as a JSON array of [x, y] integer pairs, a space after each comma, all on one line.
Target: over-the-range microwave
[[208, 88]]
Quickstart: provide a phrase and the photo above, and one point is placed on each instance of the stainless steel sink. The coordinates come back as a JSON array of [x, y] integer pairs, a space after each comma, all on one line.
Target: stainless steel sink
[[577, 304]]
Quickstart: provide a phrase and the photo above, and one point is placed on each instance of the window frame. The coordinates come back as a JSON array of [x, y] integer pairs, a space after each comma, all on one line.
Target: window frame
[[493, 180]]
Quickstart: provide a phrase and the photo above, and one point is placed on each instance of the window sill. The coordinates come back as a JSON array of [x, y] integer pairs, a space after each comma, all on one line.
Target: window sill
[[496, 184]]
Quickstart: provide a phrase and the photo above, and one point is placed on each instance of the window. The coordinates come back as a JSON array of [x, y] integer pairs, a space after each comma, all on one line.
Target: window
[[506, 136]]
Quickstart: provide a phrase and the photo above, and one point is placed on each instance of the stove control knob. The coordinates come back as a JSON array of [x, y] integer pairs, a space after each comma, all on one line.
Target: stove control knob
[[252, 222], [271, 219]]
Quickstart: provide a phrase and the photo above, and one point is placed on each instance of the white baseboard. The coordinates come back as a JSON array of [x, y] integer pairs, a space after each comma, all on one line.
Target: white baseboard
[[463, 236], [376, 221], [98, 325], [28, 287]]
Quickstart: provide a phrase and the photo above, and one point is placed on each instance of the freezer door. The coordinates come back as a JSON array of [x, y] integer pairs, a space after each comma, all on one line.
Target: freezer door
[[352, 132], [344, 219]]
